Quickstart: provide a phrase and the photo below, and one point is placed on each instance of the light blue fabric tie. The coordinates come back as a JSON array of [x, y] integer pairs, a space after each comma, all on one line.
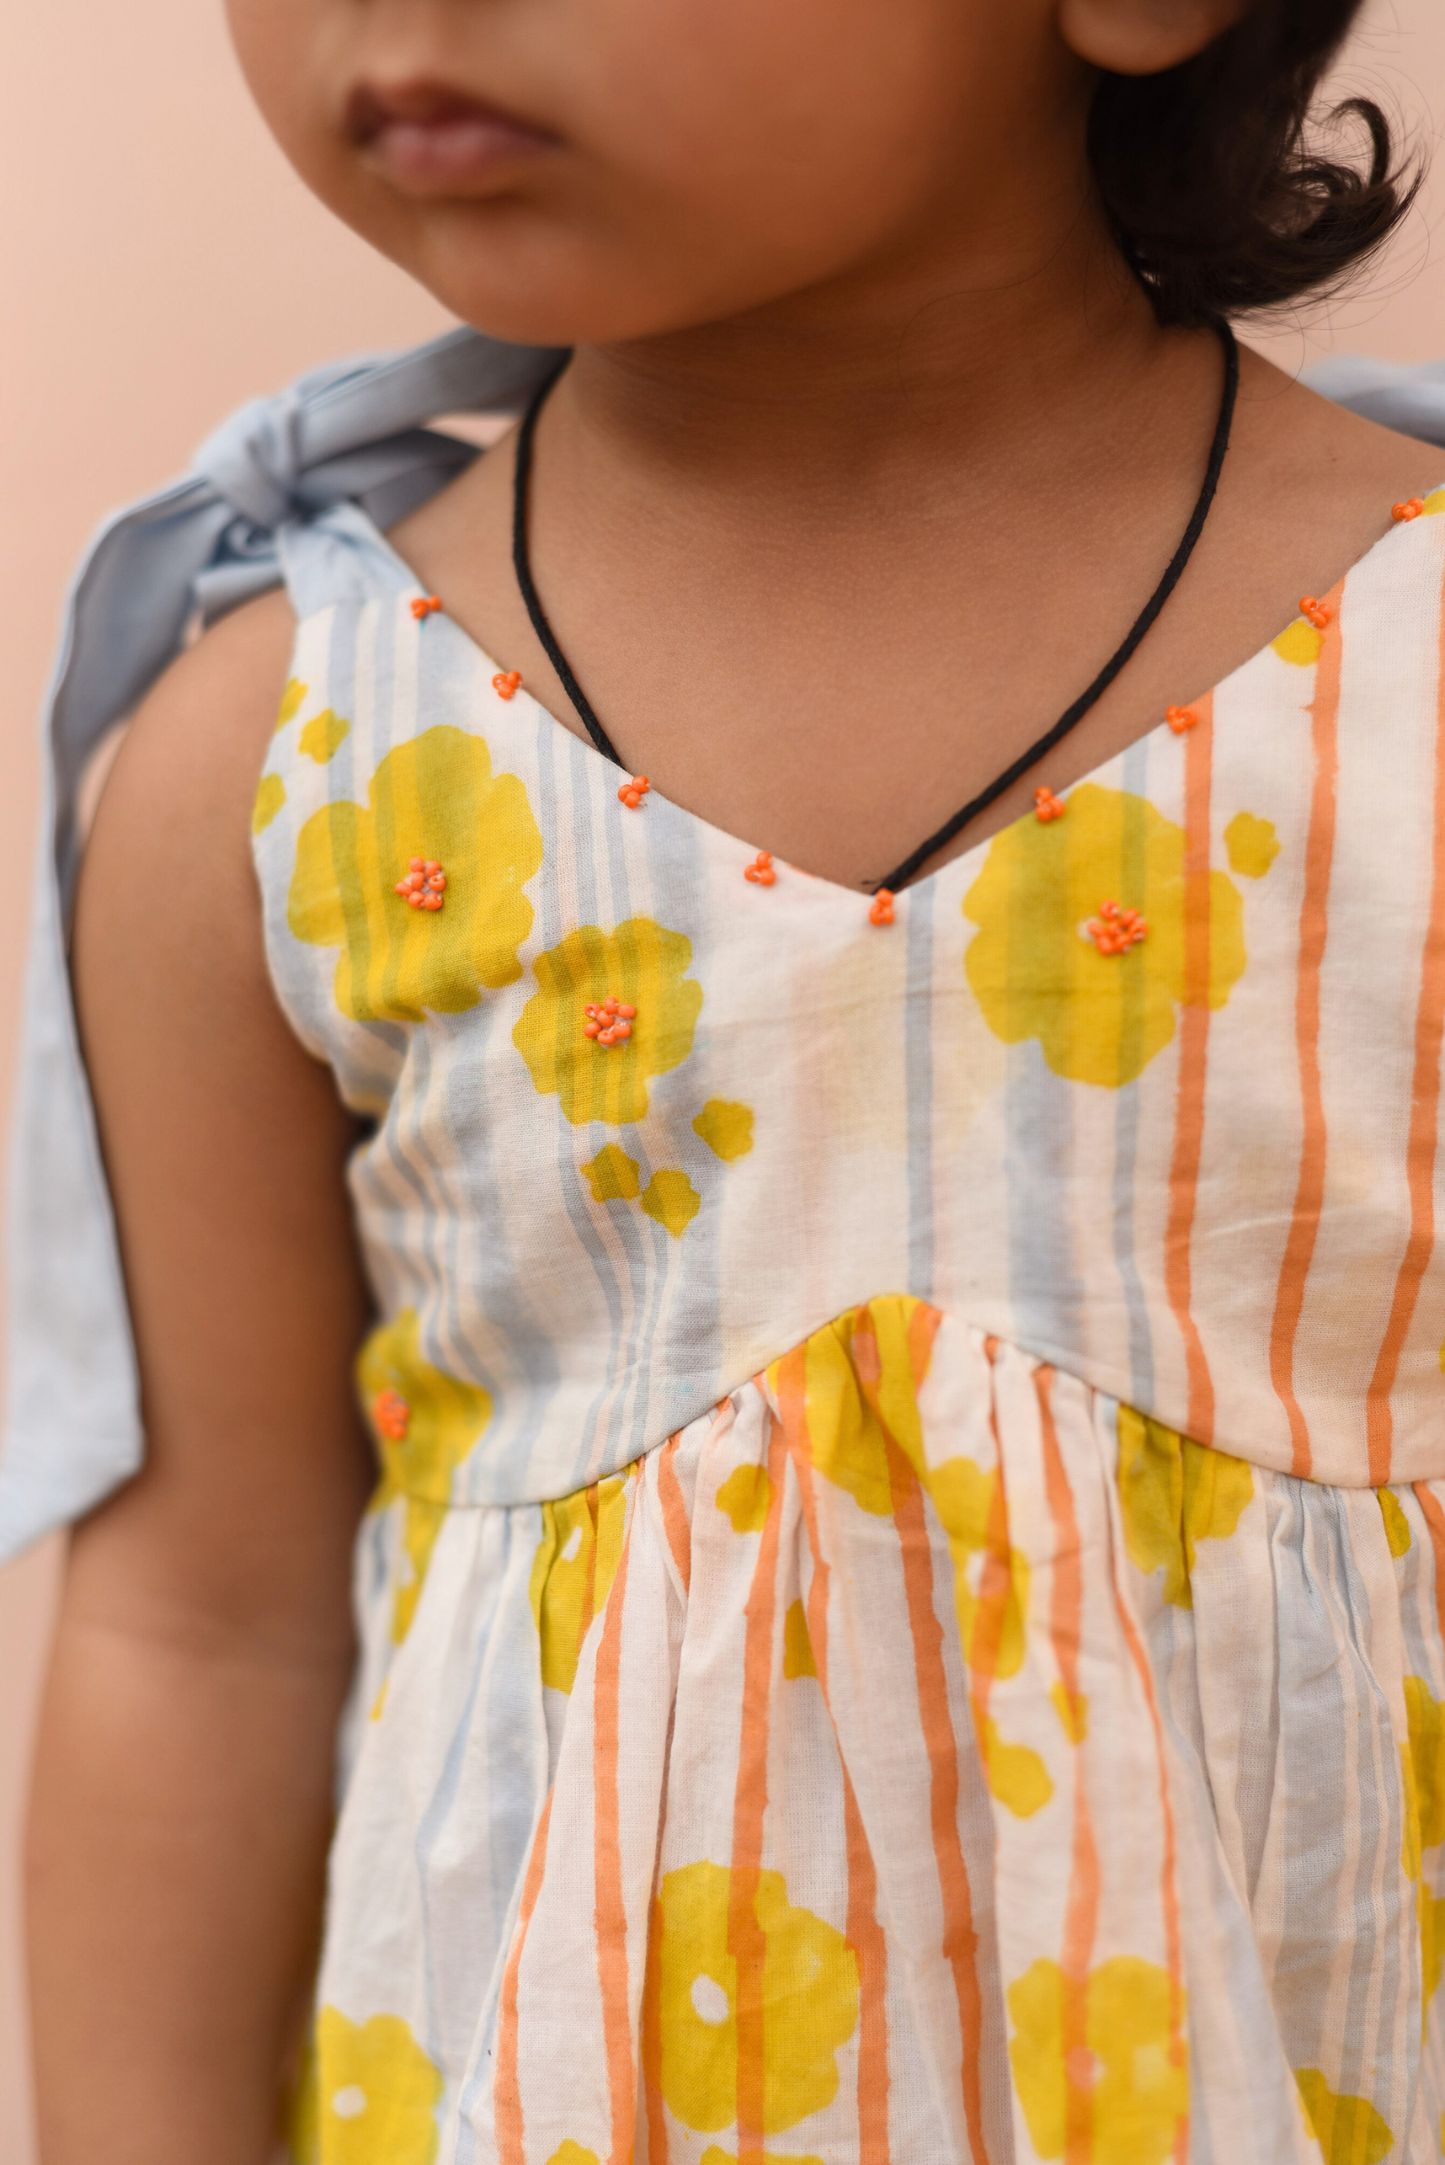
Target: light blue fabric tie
[[72, 1429]]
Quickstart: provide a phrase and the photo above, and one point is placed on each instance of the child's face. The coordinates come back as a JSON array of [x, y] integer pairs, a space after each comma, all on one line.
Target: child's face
[[580, 170]]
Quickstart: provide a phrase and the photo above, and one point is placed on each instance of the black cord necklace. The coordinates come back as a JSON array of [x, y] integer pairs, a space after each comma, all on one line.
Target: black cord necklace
[[1143, 623]]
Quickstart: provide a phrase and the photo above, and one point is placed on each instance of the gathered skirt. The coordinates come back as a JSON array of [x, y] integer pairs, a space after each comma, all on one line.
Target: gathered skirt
[[919, 1757]]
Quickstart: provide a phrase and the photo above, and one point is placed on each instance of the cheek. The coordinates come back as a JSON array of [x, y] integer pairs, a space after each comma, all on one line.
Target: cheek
[[718, 154]]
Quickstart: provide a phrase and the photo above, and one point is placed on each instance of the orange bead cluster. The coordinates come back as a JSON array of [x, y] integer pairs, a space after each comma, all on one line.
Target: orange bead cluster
[[507, 682], [391, 1414], [882, 911], [1406, 511], [1180, 719], [1115, 931], [425, 605], [760, 871], [1315, 612], [609, 1021], [632, 793], [1047, 806], [424, 885]]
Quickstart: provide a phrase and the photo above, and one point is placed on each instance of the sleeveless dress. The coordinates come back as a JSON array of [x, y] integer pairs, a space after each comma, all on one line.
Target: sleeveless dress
[[902, 1619]]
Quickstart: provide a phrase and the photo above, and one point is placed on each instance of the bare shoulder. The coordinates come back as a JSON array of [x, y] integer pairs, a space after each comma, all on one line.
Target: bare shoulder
[[1321, 464]]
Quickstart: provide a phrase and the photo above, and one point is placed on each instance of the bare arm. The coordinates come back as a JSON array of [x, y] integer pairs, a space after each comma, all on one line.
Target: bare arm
[[183, 1792]]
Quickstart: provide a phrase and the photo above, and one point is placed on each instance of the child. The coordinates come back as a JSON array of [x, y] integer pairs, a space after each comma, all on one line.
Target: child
[[902, 1618]]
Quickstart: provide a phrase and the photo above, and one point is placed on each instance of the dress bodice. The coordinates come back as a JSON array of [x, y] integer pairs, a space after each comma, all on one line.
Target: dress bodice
[[1188, 1157]]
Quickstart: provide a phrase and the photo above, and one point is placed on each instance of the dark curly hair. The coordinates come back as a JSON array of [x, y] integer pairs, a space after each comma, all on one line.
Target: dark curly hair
[[1221, 200]]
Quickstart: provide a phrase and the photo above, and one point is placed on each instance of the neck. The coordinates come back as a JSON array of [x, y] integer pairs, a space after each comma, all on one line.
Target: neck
[[977, 355]]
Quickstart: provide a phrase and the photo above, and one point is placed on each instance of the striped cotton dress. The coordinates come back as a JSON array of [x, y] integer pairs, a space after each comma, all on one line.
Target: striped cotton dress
[[902, 1618]]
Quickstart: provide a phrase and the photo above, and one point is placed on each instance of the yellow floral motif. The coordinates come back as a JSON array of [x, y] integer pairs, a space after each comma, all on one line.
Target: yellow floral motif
[[726, 1128], [573, 1570], [1435, 504], [850, 1424], [1072, 1708], [370, 2095], [434, 796], [1016, 1774], [808, 2001], [1397, 1526], [323, 736], [270, 796], [292, 700], [712, 2155], [645, 967], [572, 2153], [1348, 2130], [1127, 2084], [1301, 645], [444, 1417], [1035, 972], [613, 1176], [1174, 1493], [745, 1498], [1426, 1718], [671, 1201], [798, 1656], [1252, 844]]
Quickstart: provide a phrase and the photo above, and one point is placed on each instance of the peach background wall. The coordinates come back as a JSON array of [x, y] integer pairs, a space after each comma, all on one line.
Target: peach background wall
[[158, 264]]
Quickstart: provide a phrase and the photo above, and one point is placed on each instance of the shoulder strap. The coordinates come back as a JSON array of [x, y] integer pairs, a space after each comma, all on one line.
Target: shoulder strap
[[350, 432]]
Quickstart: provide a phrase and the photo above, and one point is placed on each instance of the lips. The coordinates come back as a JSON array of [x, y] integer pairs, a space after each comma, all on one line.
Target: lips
[[429, 140]]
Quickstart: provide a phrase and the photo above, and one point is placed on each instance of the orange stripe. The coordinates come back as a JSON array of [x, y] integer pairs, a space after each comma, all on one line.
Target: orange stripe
[[960, 1940], [1420, 1149], [1309, 1193], [1066, 1628], [506, 2087], [747, 1942], [1435, 1523], [865, 1933], [657, 2146], [674, 1511], [1193, 1055], [610, 1911], [1169, 1892]]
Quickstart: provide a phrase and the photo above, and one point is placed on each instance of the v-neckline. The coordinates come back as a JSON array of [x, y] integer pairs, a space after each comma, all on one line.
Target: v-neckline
[[721, 837]]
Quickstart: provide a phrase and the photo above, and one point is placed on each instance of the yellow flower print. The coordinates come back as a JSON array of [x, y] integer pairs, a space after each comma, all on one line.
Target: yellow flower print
[[1174, 1493], [671, 1201], [612, 1175], [1348, 2130], [1422, 1769], [1301, 645], [745, 1498], [1035, 972], [425, 1423], [323, 736], [645, 967], [1397, 1526], [270, 796], [1426, 1718], [712, 2155], [572, 2153], [798, 1656], [370, 2095], [1126, 2084], [426, 1420], [808, 2001], [850, 1423], [292, 701], [573, 1570], [435, 796], [726, 1128], [1252, 844]]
